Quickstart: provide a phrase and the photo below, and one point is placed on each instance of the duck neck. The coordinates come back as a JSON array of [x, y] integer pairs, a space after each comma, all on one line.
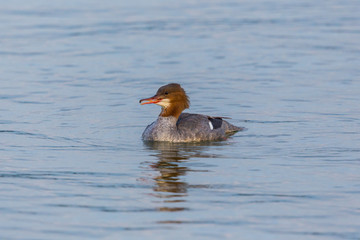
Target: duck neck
[[171, 111]]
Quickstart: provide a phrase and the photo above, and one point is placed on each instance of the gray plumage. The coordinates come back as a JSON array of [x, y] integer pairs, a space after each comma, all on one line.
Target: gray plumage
[[188, 128]]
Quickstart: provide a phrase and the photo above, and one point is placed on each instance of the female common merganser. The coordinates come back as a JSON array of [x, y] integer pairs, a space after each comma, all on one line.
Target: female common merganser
[[174, 126]]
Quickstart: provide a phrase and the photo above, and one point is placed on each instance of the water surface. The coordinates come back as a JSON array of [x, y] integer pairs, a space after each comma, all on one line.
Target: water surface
[[73, 165]]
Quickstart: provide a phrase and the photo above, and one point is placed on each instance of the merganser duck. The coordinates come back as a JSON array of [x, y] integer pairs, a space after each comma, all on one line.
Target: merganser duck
[[174, 126]]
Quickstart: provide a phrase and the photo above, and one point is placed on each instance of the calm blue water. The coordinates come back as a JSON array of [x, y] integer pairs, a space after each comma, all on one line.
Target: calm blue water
[[73, 165]]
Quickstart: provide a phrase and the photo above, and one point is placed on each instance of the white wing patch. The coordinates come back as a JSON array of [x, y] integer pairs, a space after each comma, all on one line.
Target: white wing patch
[[211, 126]]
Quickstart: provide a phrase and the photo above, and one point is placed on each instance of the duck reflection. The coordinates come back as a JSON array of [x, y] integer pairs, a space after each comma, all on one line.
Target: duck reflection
[[172, 166]]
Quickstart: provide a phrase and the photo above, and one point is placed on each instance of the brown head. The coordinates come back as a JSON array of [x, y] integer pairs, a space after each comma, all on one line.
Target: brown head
[[172, 98]]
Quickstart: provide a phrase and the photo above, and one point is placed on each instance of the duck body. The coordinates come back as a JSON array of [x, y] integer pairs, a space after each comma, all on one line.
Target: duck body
[[189, 128], [174, 126]]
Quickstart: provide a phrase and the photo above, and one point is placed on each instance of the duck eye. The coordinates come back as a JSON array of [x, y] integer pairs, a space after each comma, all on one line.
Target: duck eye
[[166, 93]]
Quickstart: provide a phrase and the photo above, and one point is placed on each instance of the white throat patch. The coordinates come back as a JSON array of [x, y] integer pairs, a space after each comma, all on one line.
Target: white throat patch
[[164, 103]]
